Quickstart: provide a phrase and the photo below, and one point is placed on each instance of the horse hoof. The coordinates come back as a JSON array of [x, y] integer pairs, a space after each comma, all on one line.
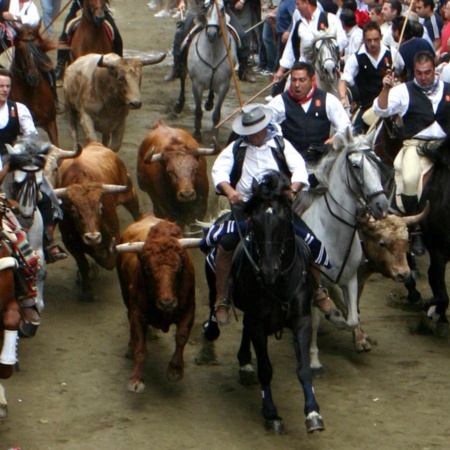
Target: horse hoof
[[314, 422], [3, 411], [207, 355], [174, 375], [275, 425], [27, 329], [178, 108], [247, 375], [318, 372], [442, 330], [197, 136], [211, 330], [136, 386]]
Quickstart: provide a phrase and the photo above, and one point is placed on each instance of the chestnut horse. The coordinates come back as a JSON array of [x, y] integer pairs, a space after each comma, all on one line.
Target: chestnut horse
[[90, 36], [30, 84]]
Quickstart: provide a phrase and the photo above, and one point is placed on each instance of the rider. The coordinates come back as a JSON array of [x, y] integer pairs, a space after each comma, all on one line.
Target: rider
[[424, 105], [365, 70], [261, 147], [301, 39], [15, 120], [63, 53], [306, 113], [185, 28]]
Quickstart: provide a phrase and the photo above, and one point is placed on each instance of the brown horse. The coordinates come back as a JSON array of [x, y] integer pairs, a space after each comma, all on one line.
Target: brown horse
[[91, 36], [30, 83]]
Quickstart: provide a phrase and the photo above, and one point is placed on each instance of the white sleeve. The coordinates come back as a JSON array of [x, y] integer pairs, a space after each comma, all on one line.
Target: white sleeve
[[223, 165], [351, 69], [288, 59], [336, 114], [278, 108], [26, 120], [31, 17], [296, 164], [398, 101]]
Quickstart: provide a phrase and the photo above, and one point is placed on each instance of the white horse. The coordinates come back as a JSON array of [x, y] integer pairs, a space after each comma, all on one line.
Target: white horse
[[208, 66], [351, 175]]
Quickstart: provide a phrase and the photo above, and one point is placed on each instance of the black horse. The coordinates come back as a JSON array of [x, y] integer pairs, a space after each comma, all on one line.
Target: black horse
[[272, 285]]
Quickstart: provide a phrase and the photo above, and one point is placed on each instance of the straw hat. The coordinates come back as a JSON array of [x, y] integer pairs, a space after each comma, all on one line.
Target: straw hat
[[252, 119]]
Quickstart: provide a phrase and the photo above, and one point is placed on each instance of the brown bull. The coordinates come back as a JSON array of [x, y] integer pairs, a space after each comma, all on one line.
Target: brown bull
[[171, 169], [92, 186], [99, 91], [157, 280]]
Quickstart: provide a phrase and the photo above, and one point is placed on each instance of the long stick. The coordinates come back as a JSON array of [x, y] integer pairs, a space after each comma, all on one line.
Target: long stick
[[401, 34], [249, 101], [56, 17], [230, 59], [254, 26]]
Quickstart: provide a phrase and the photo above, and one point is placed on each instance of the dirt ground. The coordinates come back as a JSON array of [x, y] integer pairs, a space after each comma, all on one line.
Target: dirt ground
[[71, 391]]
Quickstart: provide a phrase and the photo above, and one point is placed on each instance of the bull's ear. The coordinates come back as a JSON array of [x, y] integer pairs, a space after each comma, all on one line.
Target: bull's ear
[[100, 62]]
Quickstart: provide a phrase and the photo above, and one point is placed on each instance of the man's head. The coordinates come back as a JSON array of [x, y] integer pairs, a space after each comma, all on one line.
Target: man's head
[[5, 85], [397, 26], [424, 68], [446, 11], [253, 122], [348, 19], [375, 13], [425, 8], [306, 7], [302, 80], [372, 38], [390, 9]]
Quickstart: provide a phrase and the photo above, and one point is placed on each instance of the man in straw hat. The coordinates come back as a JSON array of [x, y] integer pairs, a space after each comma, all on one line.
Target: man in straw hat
[[260, 148]]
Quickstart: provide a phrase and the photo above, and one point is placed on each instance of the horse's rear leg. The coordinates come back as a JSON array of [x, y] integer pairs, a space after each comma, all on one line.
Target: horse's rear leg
[[198, 114], [209, 104], [302, 343], [181, 98]]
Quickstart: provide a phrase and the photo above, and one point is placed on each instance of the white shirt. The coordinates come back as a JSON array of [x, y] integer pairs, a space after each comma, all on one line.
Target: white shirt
[[398, 102], [29, 15], [386, 31], [306, 33], [351, 68], [355, 39], [445, 74], [257, 161], [335, 111]]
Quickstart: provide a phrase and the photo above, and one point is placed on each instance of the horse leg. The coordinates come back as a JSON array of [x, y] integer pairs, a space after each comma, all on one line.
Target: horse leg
[[88, 127], [52, 131], [178, 108], [3, 403], [316, 365], [117, 137], [8, 354], [410, 284], [198, 97], [209, 104], [72, 116], [217, 111], [302, 330], [247, 376]]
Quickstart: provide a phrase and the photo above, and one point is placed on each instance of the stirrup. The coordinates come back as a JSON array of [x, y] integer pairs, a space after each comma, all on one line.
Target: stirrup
[[222, 312], [51, 257]]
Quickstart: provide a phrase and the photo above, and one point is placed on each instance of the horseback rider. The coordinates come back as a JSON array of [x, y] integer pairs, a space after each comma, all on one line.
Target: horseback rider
[[186, 29], [63, 54], [261, 147], [365, 70], [301, 39], [16, 120], [424, 106], [306, 114]]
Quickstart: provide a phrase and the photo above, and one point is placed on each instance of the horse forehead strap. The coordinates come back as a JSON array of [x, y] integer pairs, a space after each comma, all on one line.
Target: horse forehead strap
[[253, 117]]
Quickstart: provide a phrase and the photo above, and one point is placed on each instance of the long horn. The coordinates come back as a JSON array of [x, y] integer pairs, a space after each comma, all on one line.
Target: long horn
[[114, 188], [60, 192], [151, 157], [155, 59], [206, 151], [411, 220], [130, 247], [190, 242], [66, 154]]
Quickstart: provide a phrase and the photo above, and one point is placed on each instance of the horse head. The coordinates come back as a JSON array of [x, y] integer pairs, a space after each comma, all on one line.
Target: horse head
[[94, 10], [326, 55], [212, 19], [270, 214], [363, 172]]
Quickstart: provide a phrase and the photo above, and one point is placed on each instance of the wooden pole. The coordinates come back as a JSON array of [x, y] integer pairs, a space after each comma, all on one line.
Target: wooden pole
[[230, 59]]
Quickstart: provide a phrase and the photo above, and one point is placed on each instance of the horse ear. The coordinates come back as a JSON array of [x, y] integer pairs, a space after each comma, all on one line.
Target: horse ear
[[10, 149], [338, 142], [371, 136]]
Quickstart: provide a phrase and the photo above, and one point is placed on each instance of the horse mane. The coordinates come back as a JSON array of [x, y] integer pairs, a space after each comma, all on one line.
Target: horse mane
[[306, 198], [46, 43]]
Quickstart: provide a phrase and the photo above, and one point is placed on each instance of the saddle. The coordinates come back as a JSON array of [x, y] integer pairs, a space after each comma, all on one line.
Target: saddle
[[74, 23]]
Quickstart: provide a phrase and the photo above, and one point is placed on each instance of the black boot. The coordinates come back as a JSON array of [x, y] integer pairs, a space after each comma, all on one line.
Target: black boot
[[61, 61], [52, 81], [244, 72], [410, 204]]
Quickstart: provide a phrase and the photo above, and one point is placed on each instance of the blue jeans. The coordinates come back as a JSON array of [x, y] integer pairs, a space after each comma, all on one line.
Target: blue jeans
[[50, 8], [270, 46]]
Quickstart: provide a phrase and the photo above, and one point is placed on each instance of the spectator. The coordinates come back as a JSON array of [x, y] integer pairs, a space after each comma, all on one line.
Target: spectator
[[354, 32], [390, 9], [50, 9], [431, 21]]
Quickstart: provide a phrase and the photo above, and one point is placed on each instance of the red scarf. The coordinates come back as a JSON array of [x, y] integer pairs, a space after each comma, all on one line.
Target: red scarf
[[305, 99]]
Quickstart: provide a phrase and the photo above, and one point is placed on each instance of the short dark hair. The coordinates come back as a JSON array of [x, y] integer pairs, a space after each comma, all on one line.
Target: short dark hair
[[423, 57], [302, 65], [312, 2], [377, 7], [350, 4], [395, 4], [371, 26], [397, 24], [348, 17], [417, 29], [5, 72], [429, 3]]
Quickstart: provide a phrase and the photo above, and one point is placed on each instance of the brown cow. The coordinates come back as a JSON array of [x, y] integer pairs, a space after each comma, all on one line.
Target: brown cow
[[99, 91], [171, 169], [157, 281], [92, 185]]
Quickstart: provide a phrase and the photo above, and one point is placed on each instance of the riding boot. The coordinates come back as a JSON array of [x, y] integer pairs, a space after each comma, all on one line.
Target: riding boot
[[178, 39], [223, 271], [52, 82], [244, 72], [410, 204], [323, 301], [176, 68], [62, 58]]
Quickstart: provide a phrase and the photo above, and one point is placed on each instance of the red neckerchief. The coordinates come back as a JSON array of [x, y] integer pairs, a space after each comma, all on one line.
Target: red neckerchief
[[305, 99]]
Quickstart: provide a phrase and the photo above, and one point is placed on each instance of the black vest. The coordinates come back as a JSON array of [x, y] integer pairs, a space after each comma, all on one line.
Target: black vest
[[239, 156], [370, 79], [302, 128], [322, 24], [420, 114], [8, 135]]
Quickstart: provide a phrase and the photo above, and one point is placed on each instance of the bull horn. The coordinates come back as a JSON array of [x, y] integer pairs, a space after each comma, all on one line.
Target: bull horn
[[130, 247], [60, 192], [151, 157], [66, 154], [190, 242], [152, 60], [114, 188], [206, 152], [411, 220]]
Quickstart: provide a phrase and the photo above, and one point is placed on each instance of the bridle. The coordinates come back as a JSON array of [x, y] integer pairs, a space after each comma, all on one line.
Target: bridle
[[332, 55]]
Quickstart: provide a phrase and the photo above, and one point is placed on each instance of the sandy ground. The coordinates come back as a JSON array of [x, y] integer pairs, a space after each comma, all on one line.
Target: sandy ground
[[71, 391]]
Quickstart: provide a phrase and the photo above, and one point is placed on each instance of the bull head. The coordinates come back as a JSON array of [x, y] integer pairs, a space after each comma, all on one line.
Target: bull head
[[151, 157], [411, 220], [136, 247]]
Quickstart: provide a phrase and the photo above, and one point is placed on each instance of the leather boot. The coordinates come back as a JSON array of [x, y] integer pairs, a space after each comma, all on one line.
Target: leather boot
[[327, 306], [223, 271], [61, 61], [244, 72], [29, 311], [410, 204]]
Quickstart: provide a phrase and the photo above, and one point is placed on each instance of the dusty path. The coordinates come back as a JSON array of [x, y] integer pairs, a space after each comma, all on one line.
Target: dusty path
[[71, 392]]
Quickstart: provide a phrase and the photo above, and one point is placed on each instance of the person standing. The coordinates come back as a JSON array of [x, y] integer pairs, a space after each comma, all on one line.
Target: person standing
[[431, 21], [50, 9]]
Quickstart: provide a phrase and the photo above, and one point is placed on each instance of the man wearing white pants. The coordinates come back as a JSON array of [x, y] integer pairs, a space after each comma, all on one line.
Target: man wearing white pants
[[424, 105]]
